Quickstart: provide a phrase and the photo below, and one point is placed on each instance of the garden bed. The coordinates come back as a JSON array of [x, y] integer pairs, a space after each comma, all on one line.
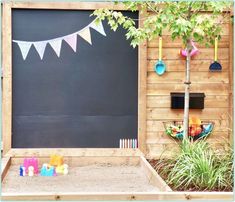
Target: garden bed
[[198, 166], [154, 162]]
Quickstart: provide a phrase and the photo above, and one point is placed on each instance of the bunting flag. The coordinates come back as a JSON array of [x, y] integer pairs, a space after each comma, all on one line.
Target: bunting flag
[[86, 35], [72, 41], [40, 47], [98, 27], [24, 47], [56, 43]]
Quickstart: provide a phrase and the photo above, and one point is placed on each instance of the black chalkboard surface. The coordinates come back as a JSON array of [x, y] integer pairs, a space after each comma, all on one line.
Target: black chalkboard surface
[[83, 99]]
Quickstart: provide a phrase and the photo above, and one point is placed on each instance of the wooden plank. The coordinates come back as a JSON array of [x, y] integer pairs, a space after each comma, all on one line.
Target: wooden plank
[[207, 88], [157, 125], [45, 152], [68, 5], [211, 101], [6, 40], [163, 138], [179, 65], [231, 79], [160, 150], [5, 165], [167, 42], [152, 175], [88, 160], [174, 54], [143, 196], [7, 78], [169, 149], [205, 114], [196, 77], [142, 88], [225, 30], [28, 197]]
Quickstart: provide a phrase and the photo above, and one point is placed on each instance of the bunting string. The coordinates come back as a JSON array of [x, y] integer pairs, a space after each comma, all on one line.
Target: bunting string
[[56, 43]]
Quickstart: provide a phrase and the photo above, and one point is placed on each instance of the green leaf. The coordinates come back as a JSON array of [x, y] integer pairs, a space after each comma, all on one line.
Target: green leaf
[[183, 19]]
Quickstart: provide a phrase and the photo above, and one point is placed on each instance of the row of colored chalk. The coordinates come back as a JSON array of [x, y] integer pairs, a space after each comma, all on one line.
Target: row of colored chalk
[[128, 143]]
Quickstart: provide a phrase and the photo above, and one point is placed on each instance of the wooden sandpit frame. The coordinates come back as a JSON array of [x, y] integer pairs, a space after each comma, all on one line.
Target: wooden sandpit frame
[[165, 194], [14, 156], [153, 179]]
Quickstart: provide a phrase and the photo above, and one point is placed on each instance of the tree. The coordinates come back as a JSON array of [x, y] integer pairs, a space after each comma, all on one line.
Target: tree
[[187, 20]]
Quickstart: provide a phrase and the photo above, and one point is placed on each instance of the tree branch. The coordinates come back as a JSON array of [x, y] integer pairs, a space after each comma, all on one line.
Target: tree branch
[[189, 11], [151, 8]]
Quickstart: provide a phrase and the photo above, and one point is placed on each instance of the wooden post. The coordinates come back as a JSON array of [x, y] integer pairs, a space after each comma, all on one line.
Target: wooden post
[[1, 80], [231, 80], [7, 78], [142, 89]]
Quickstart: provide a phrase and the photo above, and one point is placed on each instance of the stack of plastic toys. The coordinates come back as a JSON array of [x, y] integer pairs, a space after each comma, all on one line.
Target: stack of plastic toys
[[55, 167], [30, 167]]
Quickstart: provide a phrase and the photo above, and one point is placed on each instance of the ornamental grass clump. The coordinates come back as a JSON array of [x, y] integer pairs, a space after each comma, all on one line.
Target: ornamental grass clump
[[199, 167]]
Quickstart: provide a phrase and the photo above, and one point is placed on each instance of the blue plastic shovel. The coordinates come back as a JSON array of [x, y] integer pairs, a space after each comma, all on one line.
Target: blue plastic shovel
[[160, 66]]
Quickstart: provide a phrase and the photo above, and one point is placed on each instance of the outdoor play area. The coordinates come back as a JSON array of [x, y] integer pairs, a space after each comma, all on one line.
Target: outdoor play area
[[117, 101]]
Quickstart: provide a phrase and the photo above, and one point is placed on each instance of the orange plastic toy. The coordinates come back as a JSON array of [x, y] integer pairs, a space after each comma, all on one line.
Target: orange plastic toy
[[56, 160], [195, 126], [195, 121]]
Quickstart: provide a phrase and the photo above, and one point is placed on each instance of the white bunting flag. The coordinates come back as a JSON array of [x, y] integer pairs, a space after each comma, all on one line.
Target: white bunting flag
[[98, 27], [85, 34], [72, 41], [40, 47], [24, 47], [56, 45]]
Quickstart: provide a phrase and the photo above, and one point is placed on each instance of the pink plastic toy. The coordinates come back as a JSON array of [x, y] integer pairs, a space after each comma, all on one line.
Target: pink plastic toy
[[31, 162], [193, 52]]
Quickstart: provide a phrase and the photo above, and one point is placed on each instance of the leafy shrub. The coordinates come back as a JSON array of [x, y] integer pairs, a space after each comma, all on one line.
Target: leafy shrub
[[198, 167]]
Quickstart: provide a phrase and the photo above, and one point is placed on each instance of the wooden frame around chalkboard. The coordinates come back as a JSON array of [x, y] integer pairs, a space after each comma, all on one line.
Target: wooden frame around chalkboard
[[7, 86]]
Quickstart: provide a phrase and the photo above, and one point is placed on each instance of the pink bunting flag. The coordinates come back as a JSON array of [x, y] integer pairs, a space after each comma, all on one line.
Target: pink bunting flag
[[72, 41]]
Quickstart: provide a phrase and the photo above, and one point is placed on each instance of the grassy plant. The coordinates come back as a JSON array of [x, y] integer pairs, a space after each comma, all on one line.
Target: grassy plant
[[198, 167]]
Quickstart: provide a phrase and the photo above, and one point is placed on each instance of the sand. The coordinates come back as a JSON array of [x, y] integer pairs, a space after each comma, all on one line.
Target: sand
[[92, 178]]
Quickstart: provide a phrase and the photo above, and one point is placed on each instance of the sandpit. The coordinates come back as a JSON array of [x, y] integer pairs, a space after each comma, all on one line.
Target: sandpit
[[89, 178]]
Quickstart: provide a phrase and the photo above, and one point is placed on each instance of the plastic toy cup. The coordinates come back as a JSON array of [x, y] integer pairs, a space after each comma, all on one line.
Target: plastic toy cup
[[31, 162]]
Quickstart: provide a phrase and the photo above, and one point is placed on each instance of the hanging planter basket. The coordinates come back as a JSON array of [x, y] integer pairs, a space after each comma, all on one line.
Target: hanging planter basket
[[175, 129]]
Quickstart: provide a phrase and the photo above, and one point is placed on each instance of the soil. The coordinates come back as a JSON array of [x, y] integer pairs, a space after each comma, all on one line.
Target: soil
[[92, 178]]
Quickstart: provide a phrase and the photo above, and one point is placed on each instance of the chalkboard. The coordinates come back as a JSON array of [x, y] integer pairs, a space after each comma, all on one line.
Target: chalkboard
[[83, 99]]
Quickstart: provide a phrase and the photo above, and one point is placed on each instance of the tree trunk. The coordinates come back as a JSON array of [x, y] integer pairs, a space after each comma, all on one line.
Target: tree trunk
[[187, 90]]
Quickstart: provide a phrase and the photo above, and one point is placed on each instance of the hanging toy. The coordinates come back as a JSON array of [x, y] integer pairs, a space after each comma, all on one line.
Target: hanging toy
[[193, 52], [160, 66]]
